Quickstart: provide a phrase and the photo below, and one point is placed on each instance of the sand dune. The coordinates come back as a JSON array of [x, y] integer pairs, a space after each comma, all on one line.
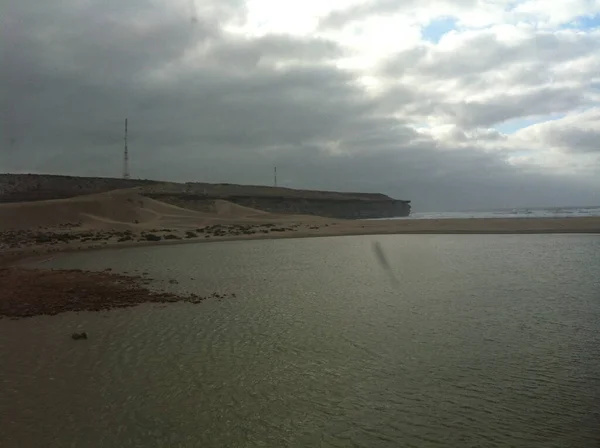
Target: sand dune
[[120, 209], [225, 208]]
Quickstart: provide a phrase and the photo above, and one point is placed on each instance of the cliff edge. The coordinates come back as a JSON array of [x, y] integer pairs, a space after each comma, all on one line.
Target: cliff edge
[[202, 196]]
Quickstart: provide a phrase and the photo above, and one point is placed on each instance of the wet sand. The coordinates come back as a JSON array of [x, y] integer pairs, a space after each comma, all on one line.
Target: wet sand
[[34, 292]]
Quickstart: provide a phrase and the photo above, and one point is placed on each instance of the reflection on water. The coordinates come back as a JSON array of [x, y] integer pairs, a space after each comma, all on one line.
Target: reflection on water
[[488, 341]]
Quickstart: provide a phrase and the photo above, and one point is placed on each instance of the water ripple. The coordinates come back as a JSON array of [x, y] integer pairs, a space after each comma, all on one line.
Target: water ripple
[[490, 342]]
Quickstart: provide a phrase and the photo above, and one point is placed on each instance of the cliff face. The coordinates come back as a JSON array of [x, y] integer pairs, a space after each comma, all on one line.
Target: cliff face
[[330, 204], [330, 208], [199, 196], [351, 208], [39, 187]]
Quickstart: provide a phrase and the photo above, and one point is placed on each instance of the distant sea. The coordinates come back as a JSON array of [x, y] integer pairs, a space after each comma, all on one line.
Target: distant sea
[[557, 212]]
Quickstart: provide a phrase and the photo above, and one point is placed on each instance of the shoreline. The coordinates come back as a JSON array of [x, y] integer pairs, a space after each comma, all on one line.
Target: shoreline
[[467, 226], [33, 290]]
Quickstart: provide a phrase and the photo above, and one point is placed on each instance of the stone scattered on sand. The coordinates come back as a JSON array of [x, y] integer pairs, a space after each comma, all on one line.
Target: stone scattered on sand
[[79, 336], [152, 237]]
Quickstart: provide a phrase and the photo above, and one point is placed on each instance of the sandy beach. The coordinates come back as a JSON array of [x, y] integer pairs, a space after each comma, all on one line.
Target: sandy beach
[[16, 244]]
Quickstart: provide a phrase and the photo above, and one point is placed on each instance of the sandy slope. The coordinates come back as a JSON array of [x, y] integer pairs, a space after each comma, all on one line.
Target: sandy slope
[[120, 209], [225, 208]]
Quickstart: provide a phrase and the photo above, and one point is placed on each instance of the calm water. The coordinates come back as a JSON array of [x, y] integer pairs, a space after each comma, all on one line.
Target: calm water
[[491, 341], [556, 212]]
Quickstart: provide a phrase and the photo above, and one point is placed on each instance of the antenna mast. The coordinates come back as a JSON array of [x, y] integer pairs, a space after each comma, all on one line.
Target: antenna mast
[[275, 176], [125, 156]]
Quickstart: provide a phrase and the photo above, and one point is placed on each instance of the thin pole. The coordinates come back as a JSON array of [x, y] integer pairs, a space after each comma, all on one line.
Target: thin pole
[[126, 156], [275, 176]]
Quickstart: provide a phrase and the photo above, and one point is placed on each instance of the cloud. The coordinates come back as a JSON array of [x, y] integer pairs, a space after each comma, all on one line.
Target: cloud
[[471, 13], [415, 9], [555, 13], [480, 51], [576, 133], [485, 77], [225, 99], [275, 48]]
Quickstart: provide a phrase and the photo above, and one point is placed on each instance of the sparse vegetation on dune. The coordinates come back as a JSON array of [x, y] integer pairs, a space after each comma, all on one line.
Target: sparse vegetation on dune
[[47, 240]]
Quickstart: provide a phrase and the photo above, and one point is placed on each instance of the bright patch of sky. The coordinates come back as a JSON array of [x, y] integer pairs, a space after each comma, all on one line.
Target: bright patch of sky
[[434, 31], [587, 22], [512, 126], [275, 16]]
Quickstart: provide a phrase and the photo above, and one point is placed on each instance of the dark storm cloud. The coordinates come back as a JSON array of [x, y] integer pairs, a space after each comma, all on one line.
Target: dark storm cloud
[[436, 178], [584, 140], [504, 107], [208, 106], [580, 140], [273, 48]]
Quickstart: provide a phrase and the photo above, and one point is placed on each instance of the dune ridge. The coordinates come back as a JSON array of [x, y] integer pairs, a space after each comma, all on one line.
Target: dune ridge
[[119, 209]]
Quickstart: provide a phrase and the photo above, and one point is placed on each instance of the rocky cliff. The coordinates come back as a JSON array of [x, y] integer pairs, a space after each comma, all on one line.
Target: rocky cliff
[[40, 187], [343, 208], [200, 196]]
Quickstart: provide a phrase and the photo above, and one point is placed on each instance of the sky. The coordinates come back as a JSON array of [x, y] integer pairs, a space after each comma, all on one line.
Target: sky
[[475, 104]]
